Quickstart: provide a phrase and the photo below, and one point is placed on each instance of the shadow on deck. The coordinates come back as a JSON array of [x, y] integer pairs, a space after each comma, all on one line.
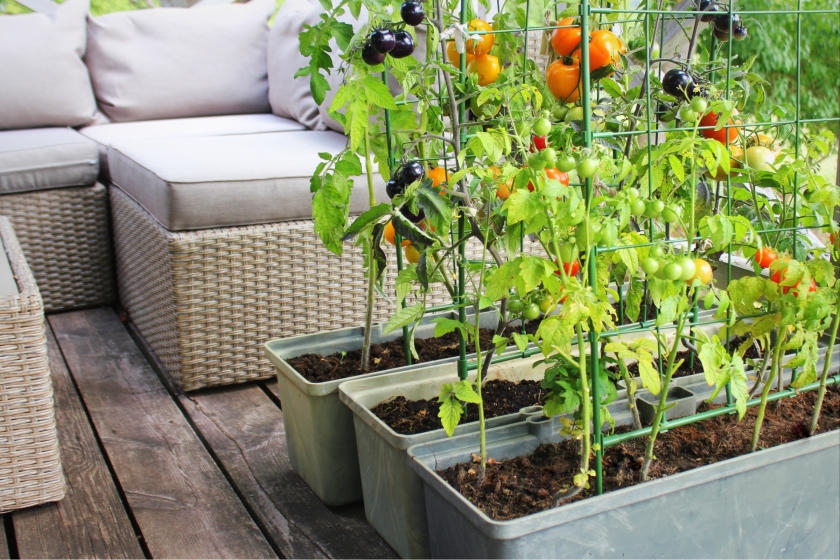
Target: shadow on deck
[[151, 473]]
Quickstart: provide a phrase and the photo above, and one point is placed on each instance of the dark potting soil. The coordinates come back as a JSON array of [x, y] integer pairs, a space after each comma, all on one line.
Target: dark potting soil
[[317, 368], [523, 485], [417, 416]]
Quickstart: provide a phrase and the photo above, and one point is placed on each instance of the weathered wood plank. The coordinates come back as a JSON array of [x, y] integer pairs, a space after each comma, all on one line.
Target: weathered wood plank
[[90, 521], [4, 544], [245, 429], [181, 501]]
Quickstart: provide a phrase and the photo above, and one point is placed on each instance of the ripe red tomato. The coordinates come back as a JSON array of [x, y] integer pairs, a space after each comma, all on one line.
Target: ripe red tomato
[[779, 276], [711, 120], [570, 268], [765, 256]]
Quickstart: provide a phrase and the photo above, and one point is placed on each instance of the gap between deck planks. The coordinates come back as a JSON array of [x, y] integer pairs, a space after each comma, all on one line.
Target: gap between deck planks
[[203, 475]]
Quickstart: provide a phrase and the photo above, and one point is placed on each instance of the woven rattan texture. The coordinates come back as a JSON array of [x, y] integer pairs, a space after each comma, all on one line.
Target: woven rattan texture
[[206, 301], [66, 238], [30, 465]]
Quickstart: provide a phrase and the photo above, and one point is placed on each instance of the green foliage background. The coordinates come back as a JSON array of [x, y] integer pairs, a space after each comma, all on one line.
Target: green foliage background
[[773, 38]]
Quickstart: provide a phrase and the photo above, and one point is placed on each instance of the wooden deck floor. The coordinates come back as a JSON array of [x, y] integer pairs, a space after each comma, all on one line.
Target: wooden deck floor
[[160, 475]]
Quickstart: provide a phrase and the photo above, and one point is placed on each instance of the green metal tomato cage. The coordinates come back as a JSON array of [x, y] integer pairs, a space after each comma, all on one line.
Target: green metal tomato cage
[[660, 22]]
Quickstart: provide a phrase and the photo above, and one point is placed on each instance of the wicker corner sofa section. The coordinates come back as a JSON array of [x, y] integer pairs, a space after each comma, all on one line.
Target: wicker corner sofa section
[[30, 463], [170, 165]]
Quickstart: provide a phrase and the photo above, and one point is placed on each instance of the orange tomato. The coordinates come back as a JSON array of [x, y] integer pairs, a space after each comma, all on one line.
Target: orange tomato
[[480, 44], [454, 56], [563, 78], [411, 253], [566, 37], [557, 175], [605, 49], [711, 120], [439, 176], [487, 67], [736, 156], [389, 233]]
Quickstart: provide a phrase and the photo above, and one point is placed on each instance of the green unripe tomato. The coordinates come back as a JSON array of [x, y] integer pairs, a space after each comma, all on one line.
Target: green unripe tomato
[[608, 234], [542, 126], [637, 207], [565, 162], [688, 115], [536, 161], [699, 105], [670, 214], [574, 114], [531, 311], [671, 271], [587, 167], [653, 208], [649, 265], [657, 252], [549, 156], [688, 267]]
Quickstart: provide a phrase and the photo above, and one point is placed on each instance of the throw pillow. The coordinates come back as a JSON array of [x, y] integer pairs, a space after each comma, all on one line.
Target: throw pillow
[[180, 62], [44, 81]]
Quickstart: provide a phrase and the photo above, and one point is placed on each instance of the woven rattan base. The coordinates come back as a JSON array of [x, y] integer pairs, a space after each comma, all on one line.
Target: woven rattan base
[[66, 238], [30, 466], [206, 301]]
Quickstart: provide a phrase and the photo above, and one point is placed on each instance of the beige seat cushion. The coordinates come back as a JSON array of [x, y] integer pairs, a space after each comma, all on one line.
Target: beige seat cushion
[[46, 158], [116, 133], [220, 181]]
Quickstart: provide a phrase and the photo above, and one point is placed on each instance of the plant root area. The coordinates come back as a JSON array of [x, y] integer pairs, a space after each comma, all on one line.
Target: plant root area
[[523, 485]]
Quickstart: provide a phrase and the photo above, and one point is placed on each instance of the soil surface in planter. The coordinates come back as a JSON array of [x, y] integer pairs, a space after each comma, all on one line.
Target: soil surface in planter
[[523, 485], [500, 397], [317, 368]]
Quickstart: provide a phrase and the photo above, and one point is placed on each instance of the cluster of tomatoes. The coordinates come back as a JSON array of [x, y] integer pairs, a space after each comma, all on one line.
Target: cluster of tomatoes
[[563, 76], [724, 24], [480, 62], [765, 257], [407, 173], [398, 43]]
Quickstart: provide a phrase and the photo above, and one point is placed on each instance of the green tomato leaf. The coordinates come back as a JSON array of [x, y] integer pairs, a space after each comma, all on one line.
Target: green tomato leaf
[[465, 392]]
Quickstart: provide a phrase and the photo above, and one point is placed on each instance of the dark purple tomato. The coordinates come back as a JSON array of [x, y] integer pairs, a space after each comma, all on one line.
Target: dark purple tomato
[[372, 56], [393, 188], [679, 83], [409, 172], [412, 12], [404, 44], [382, 40], [739, 33], [411, 216]]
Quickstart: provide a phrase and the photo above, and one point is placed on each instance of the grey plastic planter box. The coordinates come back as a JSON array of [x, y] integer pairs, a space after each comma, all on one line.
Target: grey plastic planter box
[[780, 502], [393, 492], [680, 402], [319, 429]]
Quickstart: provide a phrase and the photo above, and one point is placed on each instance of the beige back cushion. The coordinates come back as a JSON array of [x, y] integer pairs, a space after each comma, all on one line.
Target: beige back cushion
[[180, 62], [43, 81]]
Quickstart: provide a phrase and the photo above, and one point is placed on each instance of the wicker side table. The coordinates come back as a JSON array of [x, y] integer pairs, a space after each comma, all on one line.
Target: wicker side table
[[30, 466]]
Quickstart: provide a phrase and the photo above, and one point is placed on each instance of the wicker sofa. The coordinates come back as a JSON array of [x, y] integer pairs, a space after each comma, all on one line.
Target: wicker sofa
[[166, 153]]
